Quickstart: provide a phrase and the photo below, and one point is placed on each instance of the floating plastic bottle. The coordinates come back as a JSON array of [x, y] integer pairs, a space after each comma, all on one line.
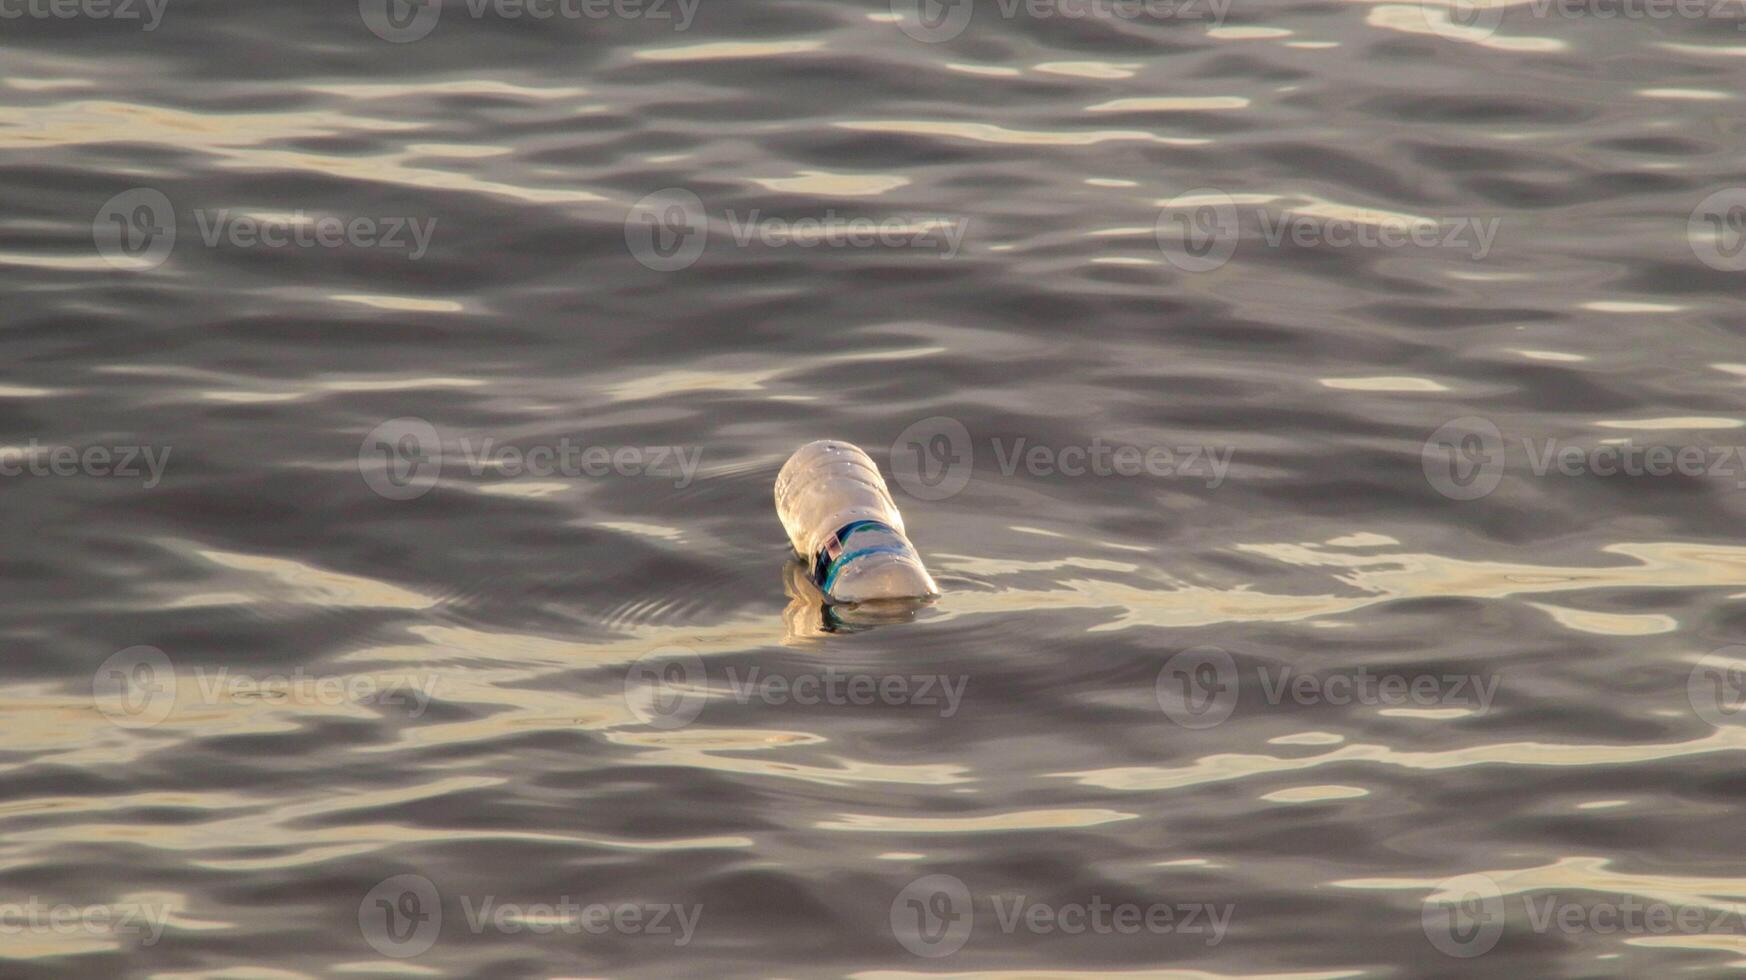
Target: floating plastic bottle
[[841, 520]]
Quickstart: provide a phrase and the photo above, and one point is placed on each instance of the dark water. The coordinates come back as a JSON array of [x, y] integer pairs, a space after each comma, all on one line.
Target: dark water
[[1202, 724]]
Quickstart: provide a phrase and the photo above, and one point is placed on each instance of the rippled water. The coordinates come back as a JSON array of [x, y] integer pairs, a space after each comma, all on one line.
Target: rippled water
[[426, 591]]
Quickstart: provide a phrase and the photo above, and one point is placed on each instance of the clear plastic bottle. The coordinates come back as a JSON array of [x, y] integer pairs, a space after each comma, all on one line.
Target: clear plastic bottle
[[842, 522]]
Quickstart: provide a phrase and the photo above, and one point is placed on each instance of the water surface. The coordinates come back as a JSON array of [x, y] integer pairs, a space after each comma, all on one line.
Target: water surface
[[374, 668]]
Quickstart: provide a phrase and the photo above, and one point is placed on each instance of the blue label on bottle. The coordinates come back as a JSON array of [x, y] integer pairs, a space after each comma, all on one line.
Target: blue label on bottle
[[836, 552]]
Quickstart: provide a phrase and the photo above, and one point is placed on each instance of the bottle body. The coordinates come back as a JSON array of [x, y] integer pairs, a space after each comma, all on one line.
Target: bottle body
[[842, 522]]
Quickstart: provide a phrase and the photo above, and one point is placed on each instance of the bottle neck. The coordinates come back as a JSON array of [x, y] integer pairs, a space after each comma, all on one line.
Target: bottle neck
[[876, 538]]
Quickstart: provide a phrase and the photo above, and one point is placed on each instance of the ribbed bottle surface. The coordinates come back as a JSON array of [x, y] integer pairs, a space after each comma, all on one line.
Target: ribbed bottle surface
[[840, 518]]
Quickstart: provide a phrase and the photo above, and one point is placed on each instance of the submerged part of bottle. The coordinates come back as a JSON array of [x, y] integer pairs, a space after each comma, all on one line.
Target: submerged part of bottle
[[810, 615], [841, 520]]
